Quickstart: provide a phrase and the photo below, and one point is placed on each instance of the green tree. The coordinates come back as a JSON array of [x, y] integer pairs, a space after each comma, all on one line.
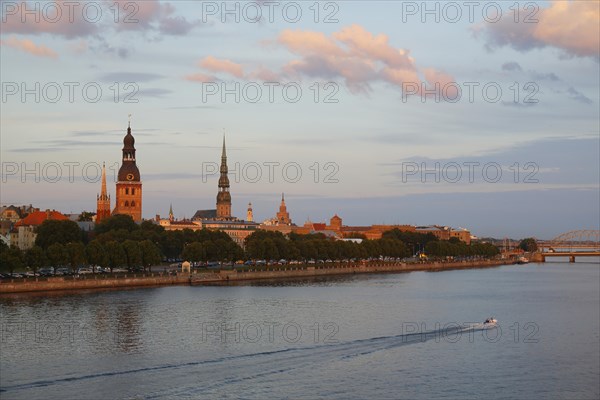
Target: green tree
[[85, 216], [150, 254], [76, 254], [528, 244], [57, 255], [194, 252], [133, 255], [96, 254], [116, 222], [115, 254], [11, 259], [54, 231], [35, 258]]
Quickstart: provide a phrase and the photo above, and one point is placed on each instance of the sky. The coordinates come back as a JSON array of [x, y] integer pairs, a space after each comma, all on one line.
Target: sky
[[482, 115]]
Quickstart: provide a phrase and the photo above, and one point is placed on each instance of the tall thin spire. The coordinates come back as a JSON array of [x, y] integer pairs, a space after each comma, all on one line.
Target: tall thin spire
[[103, 199], [103, 192], [223, 196], [224, 153], [171, 216]]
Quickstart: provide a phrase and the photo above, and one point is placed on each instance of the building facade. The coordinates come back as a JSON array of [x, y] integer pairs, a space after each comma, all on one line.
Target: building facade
[[103, 200], [223, 196], [129, 183], [23, 234]]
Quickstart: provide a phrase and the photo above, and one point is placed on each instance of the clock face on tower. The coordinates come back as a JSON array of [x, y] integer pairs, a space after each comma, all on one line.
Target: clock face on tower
[[130, 177]]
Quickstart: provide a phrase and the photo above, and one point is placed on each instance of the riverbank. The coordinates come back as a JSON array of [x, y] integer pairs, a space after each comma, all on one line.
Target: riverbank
[[225, 276]]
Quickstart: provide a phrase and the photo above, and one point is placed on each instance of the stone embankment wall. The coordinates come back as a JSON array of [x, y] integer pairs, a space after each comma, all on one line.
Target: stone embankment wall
[[224, 276]]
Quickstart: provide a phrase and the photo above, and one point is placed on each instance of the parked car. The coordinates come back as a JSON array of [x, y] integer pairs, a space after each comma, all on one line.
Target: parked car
[[46, 271], [85, 271]]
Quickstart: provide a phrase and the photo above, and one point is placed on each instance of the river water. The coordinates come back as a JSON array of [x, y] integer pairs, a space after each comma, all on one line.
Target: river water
[[351, 337]]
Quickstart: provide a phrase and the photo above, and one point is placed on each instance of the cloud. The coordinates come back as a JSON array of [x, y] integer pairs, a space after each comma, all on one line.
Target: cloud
[[571, 26], [70, 25], [153, 92], [578, 96], [511, 66], [200, 77], [150, 15], [222, 65], [129, 77], [353, 54], [29, 47]]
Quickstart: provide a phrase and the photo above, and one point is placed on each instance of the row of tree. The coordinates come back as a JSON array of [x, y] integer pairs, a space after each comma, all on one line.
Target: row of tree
[[119, 242], [112, 254]]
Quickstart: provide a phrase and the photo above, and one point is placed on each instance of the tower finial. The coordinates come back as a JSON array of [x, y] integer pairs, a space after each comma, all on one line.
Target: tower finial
[[129, 122], [224, 153], [282, 198]]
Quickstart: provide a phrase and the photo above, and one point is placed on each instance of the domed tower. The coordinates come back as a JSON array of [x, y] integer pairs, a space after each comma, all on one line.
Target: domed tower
[[129, 183], [249, 214], [224, 197]]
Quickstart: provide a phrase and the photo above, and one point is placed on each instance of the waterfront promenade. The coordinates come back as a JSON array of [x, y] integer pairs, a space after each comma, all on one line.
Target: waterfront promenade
[[211, 277]]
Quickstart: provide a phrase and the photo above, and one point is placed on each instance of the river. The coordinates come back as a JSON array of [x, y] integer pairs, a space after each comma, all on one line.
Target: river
[[347, 337]]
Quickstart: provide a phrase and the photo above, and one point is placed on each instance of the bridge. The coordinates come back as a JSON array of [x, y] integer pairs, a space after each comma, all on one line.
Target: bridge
[[581, 243]]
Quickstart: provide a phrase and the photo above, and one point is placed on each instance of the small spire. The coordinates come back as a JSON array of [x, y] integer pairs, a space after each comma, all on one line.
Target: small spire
[[129, 122], [223, 154], [103, 193]]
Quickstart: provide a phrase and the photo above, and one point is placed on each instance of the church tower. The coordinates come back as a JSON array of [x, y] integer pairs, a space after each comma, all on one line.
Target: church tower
[[249, 214], [103, 200], [283, 217], [129, 183], [223, 197]]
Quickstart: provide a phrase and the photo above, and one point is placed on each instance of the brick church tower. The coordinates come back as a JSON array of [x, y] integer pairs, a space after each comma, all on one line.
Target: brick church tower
[[129, 183], [224, 197], [103, 200]]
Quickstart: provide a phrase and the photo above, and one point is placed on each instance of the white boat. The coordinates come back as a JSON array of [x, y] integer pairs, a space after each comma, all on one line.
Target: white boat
[[491, 321], [522, 260]]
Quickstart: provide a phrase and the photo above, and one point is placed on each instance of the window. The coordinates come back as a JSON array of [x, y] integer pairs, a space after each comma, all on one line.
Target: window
[[132, 190], [126, 190], [132, 203], [126, 204]]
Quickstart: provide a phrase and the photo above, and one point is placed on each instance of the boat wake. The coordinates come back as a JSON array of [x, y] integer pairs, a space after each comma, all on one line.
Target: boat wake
[[211, 376]]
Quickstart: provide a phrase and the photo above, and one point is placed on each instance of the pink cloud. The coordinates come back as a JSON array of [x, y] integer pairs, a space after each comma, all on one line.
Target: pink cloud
[[222, 65], [377, 47], [352, 54], [15, 20], [29, 47], [572, 26], [199, 77]]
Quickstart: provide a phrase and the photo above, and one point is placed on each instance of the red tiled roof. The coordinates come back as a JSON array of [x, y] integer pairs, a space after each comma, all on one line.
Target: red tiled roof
[[319, 226], [36, 218]]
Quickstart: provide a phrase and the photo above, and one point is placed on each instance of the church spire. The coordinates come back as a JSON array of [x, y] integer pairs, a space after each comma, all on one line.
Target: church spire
[[223, 196], [103, 199], [171, 216], [223, 153], [103, 192]]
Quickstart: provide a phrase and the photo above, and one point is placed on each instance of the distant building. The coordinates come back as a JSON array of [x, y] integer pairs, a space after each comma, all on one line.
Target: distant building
[[223, 196], [440, 232], [249, 214], [221, 218], [129, 183], [283, 217], [171, 224], [103, 200], [23, 234]]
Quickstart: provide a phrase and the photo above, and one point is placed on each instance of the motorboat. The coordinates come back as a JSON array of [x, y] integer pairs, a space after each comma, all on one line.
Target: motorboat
[[491, 321], [523, 260]]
